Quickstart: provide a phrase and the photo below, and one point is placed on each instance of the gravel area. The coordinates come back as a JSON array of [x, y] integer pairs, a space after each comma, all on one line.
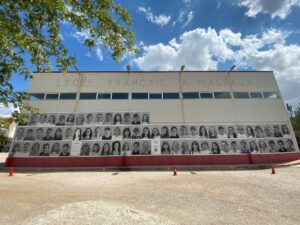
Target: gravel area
[[201, 197], [96, 212]]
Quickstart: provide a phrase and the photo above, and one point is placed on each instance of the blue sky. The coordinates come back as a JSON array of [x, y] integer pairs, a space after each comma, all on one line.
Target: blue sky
[[204, 35]]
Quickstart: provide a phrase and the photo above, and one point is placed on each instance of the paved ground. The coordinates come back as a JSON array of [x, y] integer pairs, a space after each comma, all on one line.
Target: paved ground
[[203, 197]]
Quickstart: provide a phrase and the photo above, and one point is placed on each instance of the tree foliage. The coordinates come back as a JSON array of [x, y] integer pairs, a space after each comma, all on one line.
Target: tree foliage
[[295, 120], [4, 123], [30, 36]]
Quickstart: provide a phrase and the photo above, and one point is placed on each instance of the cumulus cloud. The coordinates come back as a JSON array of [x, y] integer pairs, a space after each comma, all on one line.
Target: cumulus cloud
[[160, 20], [276, 8], [197, 49], [80, 36], [205, 49]]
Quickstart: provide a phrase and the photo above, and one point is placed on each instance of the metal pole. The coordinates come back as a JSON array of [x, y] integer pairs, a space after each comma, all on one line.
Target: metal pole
[[78, 89], [181, 93], [130, 87], [231, 92]]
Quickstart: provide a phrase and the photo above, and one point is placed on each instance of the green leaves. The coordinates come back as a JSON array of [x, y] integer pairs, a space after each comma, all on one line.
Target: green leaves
[[30, 34]]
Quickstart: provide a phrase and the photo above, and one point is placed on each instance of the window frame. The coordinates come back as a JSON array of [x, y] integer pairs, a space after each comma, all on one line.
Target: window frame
[[140, 93], [103, 94], [119, 93], [190, 95], [48, 94], [256, 92], [151, 96], [205, 93], [86, 93], [60, 95], [165, 94], [37, 99], [220, 92], [235, 95], [270, 92]]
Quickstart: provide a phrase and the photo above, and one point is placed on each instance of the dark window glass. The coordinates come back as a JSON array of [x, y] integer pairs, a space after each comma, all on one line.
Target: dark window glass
[[240, 94], [87, 96], [119, 95], [206, 95], [51, 96], [190, 95], [37, 96], [139, 95], [155, 96], [256, 95], [104, 95], [222, 94], [271, 95], [171, 95], [67, 96]]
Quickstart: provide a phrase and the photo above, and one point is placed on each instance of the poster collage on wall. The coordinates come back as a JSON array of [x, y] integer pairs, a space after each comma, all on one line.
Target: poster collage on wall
[[130, 133]]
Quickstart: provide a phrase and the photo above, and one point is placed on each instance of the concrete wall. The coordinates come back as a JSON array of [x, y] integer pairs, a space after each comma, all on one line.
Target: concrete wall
[[167, 111]]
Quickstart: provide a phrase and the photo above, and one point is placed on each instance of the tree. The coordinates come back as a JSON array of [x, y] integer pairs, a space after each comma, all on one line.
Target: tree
[[295, 120], [30, 35], [4, 123]]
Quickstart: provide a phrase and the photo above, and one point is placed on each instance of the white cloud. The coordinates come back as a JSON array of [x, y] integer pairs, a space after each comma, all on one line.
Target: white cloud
[[5, 112], [88, 54], [80, 36], [98, 53], [160, 20], [184, 18], [277, 8], [190, 16], [198, 49], [219, 4], [186, 1], [204, 49]]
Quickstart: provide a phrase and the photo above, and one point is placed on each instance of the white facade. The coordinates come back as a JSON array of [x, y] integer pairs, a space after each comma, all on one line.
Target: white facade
[[201, 110]]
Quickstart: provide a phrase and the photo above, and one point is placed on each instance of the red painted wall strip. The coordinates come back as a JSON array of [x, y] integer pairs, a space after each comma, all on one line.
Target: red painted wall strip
[[140, 161]]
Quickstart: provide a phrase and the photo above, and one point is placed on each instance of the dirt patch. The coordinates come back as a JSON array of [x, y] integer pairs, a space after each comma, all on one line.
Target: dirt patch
[[96, 212], [203, 197]]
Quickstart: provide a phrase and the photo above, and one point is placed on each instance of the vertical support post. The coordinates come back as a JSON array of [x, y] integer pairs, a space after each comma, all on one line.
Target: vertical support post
[[78, 89], [130, 87], [231, 92], [181, 93]]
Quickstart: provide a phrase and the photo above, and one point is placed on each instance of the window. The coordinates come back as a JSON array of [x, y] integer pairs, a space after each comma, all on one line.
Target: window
[[67, 96], [190, 95], [206, 95], [119, 95], [222, 94], [139, 95], [155, 96], [86, 96], [171, 95], [241, 95], [271, 95], [51, 96], [256, 95], [37, 96], [104, 95]]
